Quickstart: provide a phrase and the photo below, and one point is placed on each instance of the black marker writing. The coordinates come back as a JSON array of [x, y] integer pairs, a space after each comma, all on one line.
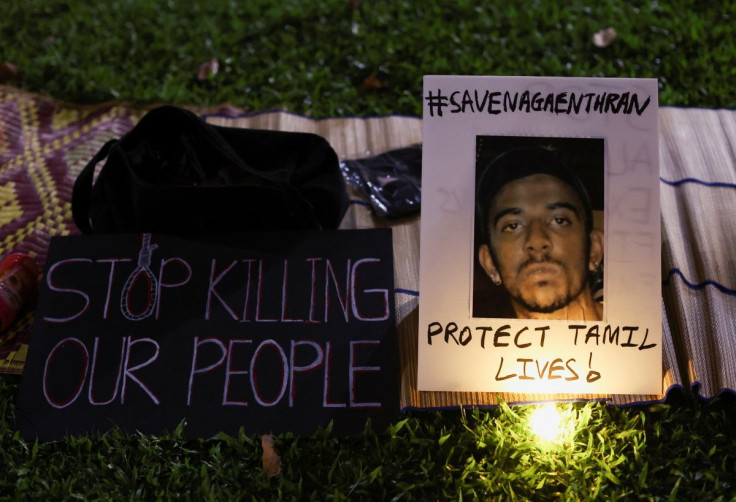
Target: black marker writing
[[557, 103], [502, 337], [611, 335]]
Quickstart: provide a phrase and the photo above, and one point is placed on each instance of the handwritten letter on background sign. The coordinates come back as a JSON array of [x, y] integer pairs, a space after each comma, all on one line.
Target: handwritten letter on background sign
[[282, 332]]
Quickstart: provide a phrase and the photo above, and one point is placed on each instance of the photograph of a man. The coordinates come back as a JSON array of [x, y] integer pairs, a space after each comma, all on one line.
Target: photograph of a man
[[538, 242]]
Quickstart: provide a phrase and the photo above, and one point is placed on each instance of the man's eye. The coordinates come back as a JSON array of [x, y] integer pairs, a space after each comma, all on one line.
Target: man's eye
[[561, 221], [510, 227]]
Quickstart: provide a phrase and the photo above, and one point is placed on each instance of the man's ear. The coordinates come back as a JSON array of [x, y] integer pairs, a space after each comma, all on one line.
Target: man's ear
[[596, 249], [486, 261]]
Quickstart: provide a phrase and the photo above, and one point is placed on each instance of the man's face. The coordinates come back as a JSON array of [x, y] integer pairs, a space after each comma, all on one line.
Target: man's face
[[539, 247]]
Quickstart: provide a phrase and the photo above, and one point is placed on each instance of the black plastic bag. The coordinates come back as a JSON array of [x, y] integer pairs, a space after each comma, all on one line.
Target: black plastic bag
[[391, 181]]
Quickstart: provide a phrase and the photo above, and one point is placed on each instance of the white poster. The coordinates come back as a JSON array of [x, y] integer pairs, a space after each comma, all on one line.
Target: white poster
[[540, 236]]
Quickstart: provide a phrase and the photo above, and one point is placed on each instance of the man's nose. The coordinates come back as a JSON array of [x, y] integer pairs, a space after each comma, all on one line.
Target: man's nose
[[537, 238]]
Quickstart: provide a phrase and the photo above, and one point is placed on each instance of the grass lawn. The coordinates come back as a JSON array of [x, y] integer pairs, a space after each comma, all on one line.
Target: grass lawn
[[326, 58], [337, 58]]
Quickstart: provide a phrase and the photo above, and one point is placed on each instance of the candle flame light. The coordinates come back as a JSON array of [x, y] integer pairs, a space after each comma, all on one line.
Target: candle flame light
[[549, 425]]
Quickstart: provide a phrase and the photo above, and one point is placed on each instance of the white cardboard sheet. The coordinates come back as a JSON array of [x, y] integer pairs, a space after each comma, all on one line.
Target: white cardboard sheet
[[466, 120]]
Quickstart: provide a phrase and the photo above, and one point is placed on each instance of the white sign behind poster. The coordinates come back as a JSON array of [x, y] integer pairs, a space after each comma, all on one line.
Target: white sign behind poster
[[468, 120]]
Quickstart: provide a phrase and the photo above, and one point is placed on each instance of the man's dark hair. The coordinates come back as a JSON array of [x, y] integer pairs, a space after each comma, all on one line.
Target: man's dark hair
[[519, 163]]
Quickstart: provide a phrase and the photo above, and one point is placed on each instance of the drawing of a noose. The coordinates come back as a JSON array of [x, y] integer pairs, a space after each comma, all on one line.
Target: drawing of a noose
[[142, 271]]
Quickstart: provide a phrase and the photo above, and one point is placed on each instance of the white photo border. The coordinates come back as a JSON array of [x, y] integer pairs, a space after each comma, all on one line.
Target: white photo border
[[620, 355]]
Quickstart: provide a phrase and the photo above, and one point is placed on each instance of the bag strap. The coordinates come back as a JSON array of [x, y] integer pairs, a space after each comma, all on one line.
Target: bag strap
[[82, 192]]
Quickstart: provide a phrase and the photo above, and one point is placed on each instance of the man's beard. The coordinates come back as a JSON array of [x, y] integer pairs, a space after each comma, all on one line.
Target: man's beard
[[558, 302]]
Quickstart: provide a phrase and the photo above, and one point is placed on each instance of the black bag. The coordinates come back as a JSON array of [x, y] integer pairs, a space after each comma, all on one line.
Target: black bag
[[174, 173]]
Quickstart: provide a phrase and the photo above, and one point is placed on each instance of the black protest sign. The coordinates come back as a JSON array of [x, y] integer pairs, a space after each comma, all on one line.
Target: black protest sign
[[271, 332]]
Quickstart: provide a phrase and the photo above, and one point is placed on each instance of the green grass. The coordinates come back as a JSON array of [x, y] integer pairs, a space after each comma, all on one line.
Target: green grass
[[315, 58], [682, 451]]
